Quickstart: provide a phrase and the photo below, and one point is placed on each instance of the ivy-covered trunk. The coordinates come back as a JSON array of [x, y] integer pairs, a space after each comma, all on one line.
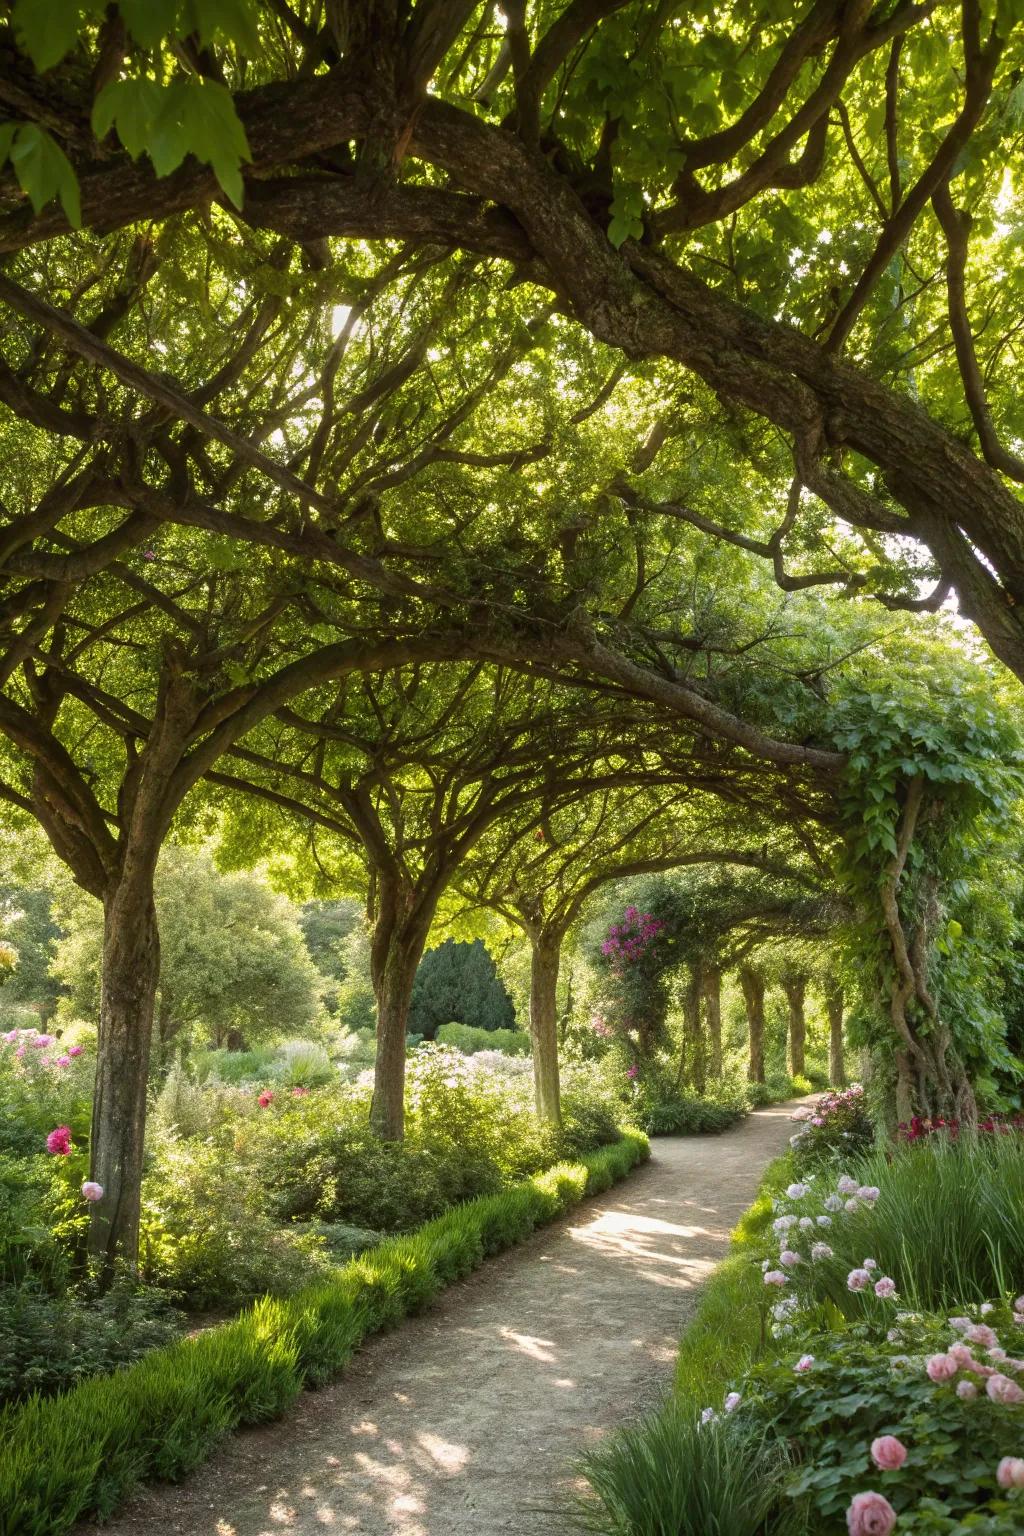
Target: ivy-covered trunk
[[544, 967], [752, 983], [836, 1057], [131, 968], [795, 988]]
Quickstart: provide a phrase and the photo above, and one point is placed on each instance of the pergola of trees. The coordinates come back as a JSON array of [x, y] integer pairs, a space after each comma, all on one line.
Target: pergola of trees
[[365, 455]]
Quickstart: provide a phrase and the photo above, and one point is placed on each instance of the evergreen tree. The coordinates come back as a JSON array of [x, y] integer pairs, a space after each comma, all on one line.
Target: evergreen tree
[[457, 983]]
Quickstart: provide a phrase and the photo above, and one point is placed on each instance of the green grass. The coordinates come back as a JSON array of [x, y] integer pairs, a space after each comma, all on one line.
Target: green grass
[[725, 1334], [78, 1454]]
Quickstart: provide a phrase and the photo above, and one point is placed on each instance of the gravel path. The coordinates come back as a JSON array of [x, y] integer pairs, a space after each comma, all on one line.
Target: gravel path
[[466, 1420]]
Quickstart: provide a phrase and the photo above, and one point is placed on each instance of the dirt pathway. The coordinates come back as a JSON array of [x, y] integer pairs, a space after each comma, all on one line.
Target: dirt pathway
[[467, 1419]]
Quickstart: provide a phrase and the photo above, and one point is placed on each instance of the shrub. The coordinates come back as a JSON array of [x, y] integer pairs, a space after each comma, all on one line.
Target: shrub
[[48, 1343], [687, 1115], [468, 1039], [671, 1475], [835, 1129], [302, 1063], [234, 1066], [79, 1453]]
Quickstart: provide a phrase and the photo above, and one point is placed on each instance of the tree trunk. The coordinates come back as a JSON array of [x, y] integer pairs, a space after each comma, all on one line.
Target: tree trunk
[[692, 1059], [399, 935], [711, 986], [795, 988], [752, 983], [546, 951], [836, 1062], [131, 968]]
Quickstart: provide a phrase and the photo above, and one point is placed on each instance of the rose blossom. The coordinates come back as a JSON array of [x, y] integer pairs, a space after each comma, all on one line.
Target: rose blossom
[[888, 1453], [1002, 1390], [961, 1354], [59, 1141], [265, 1098], [804, 1363], [774, 1277], [92, 1191], [858, 1280], [940, 1367], [885, 1287], [1010, 1472], [967, 1390], [870, 1514]]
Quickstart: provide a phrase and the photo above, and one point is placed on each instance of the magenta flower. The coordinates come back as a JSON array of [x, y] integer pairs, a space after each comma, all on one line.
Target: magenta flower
[[63, 1061], [888, 1453], [11, 1036], [633, 1071], [870, 1514], [20, 1051], [59, 1141], [300, 1093], [76, 1050], [92, 1191], [1010, 1472]]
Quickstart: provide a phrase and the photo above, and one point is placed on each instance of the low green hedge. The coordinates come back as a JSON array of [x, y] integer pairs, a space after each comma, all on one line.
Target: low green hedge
[[78, 1454]]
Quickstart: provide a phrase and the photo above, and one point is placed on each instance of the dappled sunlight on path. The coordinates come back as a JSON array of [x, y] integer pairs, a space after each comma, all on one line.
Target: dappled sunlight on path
[[467, 1420]]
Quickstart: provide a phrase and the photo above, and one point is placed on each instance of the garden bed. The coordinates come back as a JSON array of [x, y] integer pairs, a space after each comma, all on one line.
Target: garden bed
[[80, 1452], [853, 1365]]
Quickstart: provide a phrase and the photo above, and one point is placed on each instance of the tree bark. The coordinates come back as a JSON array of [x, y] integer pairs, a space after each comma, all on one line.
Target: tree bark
[[546, 949], [399, 936], [752, 983], [795, 988], [131, 968], [711, 986], [836, 1059], [693, 1058]]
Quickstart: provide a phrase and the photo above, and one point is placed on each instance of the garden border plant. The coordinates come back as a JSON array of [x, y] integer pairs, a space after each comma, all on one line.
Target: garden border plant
[[78, 1454]]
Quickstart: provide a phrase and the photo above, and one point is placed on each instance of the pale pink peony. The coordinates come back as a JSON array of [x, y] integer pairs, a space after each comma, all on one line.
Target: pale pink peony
[[858, 1280], [888, 1453], [796, 1191], [940, 1367], [967, 1390], [870, 1264], [997, 1354], [789, 1258], [847, 1186], [961, 1324], [774, 1277], [1002, 1390], [981, 1333], [869, 1192], [1010, 1472], [870, 1514], [961, 1354], [885, 1287], [732, 1401], [821, 1251], [804, 1363], [92, 1191]]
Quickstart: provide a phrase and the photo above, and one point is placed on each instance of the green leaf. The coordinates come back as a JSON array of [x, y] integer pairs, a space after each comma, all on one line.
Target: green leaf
[[150, 21], [130, 106], [49, 29], [215, 133], [45, 172], [234, 21]]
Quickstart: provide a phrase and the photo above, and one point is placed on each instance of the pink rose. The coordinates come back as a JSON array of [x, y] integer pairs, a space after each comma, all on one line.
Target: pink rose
[[981, 1333], [1010, 1472], [870, 1515], [59, 1141], [940, 1367], [1002, 1390], [966, 1390], [92, 1191], [885, 1287], [858, 1280], [888, 1453]]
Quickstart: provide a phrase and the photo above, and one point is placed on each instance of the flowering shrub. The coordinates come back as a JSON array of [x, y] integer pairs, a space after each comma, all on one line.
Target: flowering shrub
[[629, 941], [870, 1422], [42, 1087], [992, 1125], [834, 1129]]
